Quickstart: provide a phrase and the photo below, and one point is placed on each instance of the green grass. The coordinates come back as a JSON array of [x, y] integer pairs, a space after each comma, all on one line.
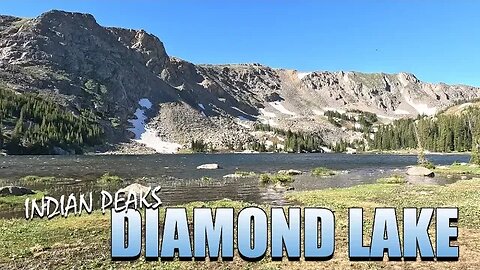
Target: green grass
[[10, 203], [429, 165], [109, 179], [206, 179], [394, 179], [78, 242], [33, 179], [84, 242], [266, 178], [458, 168], [464, 194], [322, 171]]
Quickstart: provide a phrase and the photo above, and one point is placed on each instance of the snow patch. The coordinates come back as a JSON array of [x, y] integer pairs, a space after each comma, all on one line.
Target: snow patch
[[386, 117], [269, 122], [147, 136], [420, 107], [302, 75], [244, 125], [139, 122], [423, 108], [326, 149], [238, 110], [151, 140], [400, 112], [279, 107], [465, 105], [267, 114], [242, 121], [318, 112]]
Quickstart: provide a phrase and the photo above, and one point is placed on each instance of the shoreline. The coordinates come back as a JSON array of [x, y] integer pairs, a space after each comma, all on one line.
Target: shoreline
[[147, 153]]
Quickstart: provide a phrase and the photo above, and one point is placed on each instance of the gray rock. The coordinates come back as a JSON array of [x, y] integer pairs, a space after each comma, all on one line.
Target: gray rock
[[282, 187], [211, 166], [15, 191], [135, 189], [420, 171]]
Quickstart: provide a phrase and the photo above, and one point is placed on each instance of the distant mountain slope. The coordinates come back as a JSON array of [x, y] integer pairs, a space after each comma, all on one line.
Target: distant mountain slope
[[69, 58]]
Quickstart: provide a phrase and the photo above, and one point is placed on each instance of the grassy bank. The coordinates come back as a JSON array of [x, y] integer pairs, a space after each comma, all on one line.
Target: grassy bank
[[83, 242], [459, 168], [13, 203], [323, 172]]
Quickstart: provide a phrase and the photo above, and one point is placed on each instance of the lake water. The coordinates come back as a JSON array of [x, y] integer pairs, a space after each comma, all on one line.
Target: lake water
[[181, 182]]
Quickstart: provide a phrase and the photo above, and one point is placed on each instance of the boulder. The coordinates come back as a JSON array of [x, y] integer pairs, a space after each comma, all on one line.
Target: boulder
[[15, 191], [420, 171], [280, 186], [135, 189], [290, 172], [211, 166]]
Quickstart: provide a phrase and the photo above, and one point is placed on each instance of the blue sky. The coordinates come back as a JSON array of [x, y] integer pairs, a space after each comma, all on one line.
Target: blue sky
[[439, 41]]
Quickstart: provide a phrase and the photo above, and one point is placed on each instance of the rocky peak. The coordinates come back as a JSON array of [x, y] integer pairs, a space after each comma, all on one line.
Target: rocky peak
[[149, 46], [57, 22], [6, 20], [406, 78], [60, 17]]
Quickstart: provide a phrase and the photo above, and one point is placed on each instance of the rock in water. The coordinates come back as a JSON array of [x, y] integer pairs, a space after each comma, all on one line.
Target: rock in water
[[212, 166], [282, 187], [420, 171], [15, 191], [135, 189]]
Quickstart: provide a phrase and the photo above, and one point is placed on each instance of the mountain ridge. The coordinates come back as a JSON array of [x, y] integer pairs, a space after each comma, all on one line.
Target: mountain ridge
[[70, 58]]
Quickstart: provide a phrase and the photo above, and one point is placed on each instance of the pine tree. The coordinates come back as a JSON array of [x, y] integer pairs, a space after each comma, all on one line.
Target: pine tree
[[475, 155], [1, 134], [40, 124], [421, 159]]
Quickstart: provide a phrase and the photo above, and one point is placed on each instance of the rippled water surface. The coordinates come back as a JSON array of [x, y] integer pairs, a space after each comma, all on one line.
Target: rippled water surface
[[181, 182]]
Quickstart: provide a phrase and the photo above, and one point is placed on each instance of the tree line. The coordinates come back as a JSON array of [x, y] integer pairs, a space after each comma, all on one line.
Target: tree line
[[294, 141], [442, 133], [365, 119], [31, 124]]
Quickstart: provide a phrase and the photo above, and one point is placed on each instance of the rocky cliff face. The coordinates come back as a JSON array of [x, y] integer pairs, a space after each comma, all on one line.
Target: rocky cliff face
[[73, 60]]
